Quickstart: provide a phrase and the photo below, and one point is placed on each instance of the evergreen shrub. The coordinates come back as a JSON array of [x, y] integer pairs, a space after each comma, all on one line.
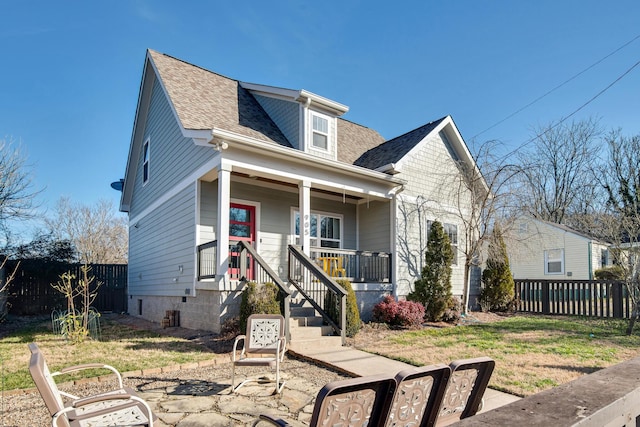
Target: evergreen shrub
[[332, 307], [258, 299]]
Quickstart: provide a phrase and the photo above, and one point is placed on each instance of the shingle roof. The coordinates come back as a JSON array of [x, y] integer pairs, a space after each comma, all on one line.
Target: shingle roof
[[206, 100], [354, 139], [394, 149]]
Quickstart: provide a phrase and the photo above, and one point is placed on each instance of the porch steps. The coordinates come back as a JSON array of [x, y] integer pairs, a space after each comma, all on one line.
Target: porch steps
[[308, 333]]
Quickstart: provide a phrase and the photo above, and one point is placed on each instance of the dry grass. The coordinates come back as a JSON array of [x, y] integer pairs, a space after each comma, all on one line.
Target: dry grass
[[125, 348], [532, 353]]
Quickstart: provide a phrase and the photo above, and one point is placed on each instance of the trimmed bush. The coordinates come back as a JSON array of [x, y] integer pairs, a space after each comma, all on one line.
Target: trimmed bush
[[615, 272], [258, 299], [332, 308], [399, 314], [433, 289], [498, 288]]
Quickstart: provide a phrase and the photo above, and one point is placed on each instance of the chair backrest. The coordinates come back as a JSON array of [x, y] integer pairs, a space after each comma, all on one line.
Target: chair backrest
[[418, 396], [353, 402], [44, 381], [467, 384], [263, 333]]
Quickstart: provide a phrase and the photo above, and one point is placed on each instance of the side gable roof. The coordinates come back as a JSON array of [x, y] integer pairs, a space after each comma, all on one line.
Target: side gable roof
[[354, 139], [203, 100], [567, 229], [395, 149]]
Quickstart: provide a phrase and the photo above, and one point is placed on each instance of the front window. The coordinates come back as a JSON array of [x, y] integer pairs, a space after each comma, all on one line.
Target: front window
[[451, 230], [554, 261], [320, 132], [325, 230]]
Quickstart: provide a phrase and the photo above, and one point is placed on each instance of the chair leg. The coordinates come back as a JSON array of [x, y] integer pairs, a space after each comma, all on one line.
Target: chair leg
[[233, 379]]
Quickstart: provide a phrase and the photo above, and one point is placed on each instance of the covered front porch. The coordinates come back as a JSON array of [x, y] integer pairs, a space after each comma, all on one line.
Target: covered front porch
[[302, 232]]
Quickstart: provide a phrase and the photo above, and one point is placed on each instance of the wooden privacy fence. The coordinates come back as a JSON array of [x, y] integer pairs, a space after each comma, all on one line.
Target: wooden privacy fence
[[595, 298], [31, 291]]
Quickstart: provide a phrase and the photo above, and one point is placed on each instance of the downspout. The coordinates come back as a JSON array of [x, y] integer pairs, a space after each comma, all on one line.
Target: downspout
[[589, 247], [394, 239]]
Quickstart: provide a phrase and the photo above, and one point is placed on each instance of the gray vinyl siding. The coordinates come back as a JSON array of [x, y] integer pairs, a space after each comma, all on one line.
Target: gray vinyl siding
[[285, 114], [375, 226], [432, 175], [160, 243], [172, 157]]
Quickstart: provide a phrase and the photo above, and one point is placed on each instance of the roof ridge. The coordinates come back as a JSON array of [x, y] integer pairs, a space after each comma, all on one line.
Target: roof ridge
[[416, 129], [194, 65]]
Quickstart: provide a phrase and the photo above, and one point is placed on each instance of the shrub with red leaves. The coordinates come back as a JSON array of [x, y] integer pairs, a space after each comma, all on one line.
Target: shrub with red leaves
[[399, 314]]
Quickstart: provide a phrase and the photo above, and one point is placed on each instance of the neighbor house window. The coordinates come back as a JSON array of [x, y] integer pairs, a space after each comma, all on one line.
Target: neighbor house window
[[554, 261], [325, 230], [145, 162], [320, 132], [604, 257], [451, 230]]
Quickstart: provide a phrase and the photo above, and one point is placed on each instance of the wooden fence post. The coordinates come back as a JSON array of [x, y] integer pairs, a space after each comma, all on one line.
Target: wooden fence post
[[616, 289], [546, 306]]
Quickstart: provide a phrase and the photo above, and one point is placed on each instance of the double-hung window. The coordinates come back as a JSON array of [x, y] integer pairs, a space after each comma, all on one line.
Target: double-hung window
[[325, 230], [451, 230], [554, 261], [320, 132], [145, 162]]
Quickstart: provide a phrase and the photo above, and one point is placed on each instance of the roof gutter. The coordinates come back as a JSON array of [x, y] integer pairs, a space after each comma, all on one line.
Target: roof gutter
[[222, 138], [389, 168]]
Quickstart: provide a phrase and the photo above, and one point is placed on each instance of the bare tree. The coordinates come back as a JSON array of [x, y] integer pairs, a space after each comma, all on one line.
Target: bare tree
[[483, 199], [17, 202], [556, 173], [17, 196], [97, 234], [620, 177]]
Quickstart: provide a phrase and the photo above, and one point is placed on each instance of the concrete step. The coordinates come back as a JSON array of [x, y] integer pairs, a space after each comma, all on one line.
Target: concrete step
[[305, 321], [302, 311], [305, 332], [315, 344]]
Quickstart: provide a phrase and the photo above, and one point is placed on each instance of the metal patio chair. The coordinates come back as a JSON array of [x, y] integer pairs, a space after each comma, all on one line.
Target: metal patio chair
[[467, 384], [418, 396], [355, 402], [264, 345], [119, 407]]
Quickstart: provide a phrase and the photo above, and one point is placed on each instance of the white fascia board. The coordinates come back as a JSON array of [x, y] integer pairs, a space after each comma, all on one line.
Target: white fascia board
[[300, 157], [301, 96], [458, 145]]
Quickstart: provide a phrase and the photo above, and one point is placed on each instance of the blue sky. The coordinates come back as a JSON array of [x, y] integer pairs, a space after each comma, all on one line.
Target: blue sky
[[70, 71]]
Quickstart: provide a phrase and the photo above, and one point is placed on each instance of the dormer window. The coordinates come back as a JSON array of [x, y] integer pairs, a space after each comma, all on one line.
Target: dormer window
[[320, 132]]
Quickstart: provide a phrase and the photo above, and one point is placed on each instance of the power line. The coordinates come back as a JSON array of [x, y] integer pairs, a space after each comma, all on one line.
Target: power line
[[557, 87], [530, 140]]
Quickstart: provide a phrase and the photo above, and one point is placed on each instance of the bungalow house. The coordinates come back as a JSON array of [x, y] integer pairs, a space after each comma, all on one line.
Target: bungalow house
[[228, 181], [544, 250]]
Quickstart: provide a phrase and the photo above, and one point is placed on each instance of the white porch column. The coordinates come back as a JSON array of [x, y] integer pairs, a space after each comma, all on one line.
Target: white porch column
[[222, 224], [304, 195]]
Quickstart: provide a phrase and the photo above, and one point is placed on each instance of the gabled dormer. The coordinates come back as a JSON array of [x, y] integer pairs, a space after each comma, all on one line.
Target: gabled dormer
[[307, 120]]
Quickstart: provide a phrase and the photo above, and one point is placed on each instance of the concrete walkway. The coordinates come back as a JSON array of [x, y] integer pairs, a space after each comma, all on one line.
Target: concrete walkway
[[359, 363]]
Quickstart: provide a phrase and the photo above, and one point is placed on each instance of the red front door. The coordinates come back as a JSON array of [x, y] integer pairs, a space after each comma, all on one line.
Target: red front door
[[242, 226]]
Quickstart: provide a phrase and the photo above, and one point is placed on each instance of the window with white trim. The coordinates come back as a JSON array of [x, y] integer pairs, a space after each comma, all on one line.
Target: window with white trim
[[325, 230], [451, 230], [145, 162], [320, 130], [554, 261]]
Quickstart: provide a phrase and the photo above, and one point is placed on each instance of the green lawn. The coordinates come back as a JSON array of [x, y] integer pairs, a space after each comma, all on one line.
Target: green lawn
[[532, 353], [125, 348]]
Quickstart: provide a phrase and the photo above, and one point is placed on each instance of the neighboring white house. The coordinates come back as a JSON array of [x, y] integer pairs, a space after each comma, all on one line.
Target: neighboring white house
[[543, 250], [213, 161]]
